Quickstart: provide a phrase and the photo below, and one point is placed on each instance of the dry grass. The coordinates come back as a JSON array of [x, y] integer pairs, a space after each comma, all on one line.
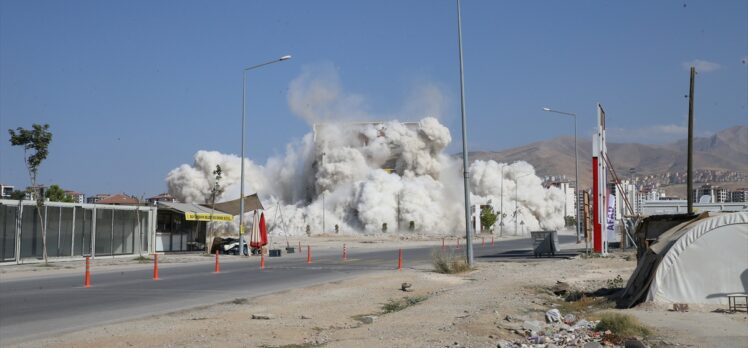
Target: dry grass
[[302, 345], [143, 259], [448, 263], [584, 305], [398, 305], [239, 301], [622, 325]]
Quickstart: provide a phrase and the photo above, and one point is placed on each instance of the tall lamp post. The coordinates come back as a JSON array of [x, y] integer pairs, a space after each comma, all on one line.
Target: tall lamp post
[[501, 205], [465, 168], [576, 171], [241, 185], [516, 200], [323, 202]]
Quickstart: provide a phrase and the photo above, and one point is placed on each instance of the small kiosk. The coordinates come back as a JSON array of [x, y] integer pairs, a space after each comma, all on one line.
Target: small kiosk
[[183, 226]]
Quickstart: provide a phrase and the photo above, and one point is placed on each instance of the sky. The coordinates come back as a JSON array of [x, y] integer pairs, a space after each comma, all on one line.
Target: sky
[[132, 89]]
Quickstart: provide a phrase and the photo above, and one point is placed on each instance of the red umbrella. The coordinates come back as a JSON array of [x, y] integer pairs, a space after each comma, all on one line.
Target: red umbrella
[[255, 241], [263, 230]]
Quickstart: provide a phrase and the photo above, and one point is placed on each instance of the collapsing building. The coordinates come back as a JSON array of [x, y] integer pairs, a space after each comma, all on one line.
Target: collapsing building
[[373, 177]]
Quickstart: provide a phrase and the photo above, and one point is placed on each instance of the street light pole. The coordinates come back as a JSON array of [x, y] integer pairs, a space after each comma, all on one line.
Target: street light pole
[[516, 200], [241, 184], [501, 206], [576, 172], [465, 168]]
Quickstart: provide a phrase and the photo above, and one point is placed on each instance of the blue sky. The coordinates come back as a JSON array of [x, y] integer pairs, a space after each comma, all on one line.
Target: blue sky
[[132, 89]]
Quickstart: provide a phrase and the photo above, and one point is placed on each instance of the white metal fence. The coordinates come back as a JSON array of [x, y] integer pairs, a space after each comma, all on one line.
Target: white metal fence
[[74, 230], [681, 207]]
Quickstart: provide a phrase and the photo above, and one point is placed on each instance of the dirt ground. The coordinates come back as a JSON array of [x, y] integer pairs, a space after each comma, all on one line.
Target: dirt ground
[[466, 310]]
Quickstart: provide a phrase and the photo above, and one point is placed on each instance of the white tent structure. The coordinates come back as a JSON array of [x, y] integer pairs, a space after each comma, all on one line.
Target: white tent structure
[[699, 262]]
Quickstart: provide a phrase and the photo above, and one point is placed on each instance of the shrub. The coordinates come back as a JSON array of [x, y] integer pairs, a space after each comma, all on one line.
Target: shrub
[[142, 259], [398, 305], [623, 325], [448, 263]]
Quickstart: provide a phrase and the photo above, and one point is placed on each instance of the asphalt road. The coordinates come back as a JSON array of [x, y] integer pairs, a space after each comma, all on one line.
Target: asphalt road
[[51, 304]]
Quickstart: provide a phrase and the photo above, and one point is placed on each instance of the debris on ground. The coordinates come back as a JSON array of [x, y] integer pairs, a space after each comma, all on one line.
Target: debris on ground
[[563, 331], [262, 316], [553, 316], [561, 288]]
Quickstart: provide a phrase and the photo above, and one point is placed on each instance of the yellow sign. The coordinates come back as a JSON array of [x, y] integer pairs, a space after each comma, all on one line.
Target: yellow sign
[[207, 217]]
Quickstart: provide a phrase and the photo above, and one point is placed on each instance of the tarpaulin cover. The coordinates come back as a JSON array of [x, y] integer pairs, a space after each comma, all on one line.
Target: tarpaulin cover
[[251, 202], [706, 263], [698, 261]]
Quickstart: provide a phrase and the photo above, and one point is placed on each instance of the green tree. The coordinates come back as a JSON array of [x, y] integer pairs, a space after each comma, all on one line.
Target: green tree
[[487, 217], [55, 194], [17, 195], [570, 221], [35, 142]]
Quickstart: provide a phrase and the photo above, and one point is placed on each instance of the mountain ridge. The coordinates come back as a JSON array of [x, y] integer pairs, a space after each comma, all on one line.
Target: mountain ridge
[[726, 150]]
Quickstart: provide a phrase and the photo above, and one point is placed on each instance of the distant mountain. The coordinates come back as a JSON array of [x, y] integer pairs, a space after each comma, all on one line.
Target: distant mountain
[[726, 150]]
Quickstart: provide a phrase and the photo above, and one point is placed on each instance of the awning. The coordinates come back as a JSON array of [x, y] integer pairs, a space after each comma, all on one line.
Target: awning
[[196, 212], [251, 202]]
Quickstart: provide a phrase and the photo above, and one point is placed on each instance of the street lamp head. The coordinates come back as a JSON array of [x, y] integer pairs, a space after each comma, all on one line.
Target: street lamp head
[[286, 57], [546, 109]]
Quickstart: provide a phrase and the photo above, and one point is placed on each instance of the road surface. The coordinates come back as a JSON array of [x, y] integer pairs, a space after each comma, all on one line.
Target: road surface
[[50, 304]]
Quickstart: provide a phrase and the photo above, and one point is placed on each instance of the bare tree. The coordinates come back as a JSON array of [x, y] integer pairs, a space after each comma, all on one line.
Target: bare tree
[[36, 139], [217, 190]]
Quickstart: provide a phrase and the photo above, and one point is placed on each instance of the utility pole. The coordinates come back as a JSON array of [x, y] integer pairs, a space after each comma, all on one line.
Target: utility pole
[[689, 179], [501, 205], [323, 200], [465, 168]]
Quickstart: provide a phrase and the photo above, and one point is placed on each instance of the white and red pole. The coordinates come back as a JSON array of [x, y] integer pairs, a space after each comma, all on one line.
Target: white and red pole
[[599, 186]]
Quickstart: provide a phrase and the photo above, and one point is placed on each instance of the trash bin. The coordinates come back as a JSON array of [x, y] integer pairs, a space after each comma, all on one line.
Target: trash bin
[[544, 242]]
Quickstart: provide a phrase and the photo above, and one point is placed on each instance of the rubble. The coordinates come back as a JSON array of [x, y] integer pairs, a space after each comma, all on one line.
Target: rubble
[[561, 331], [561, 288], [553, 316]]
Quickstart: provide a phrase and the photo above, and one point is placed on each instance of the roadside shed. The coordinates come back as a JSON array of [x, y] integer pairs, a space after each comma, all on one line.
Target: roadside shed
[[183, 226]]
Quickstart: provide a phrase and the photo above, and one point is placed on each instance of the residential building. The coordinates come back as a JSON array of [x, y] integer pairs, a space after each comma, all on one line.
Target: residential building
[[632, 195], [77, 196], [710, 194], [567, 187], [96, 198], [119, 199], [31, 192], [6, 190], [739, 195], [163, 197]]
